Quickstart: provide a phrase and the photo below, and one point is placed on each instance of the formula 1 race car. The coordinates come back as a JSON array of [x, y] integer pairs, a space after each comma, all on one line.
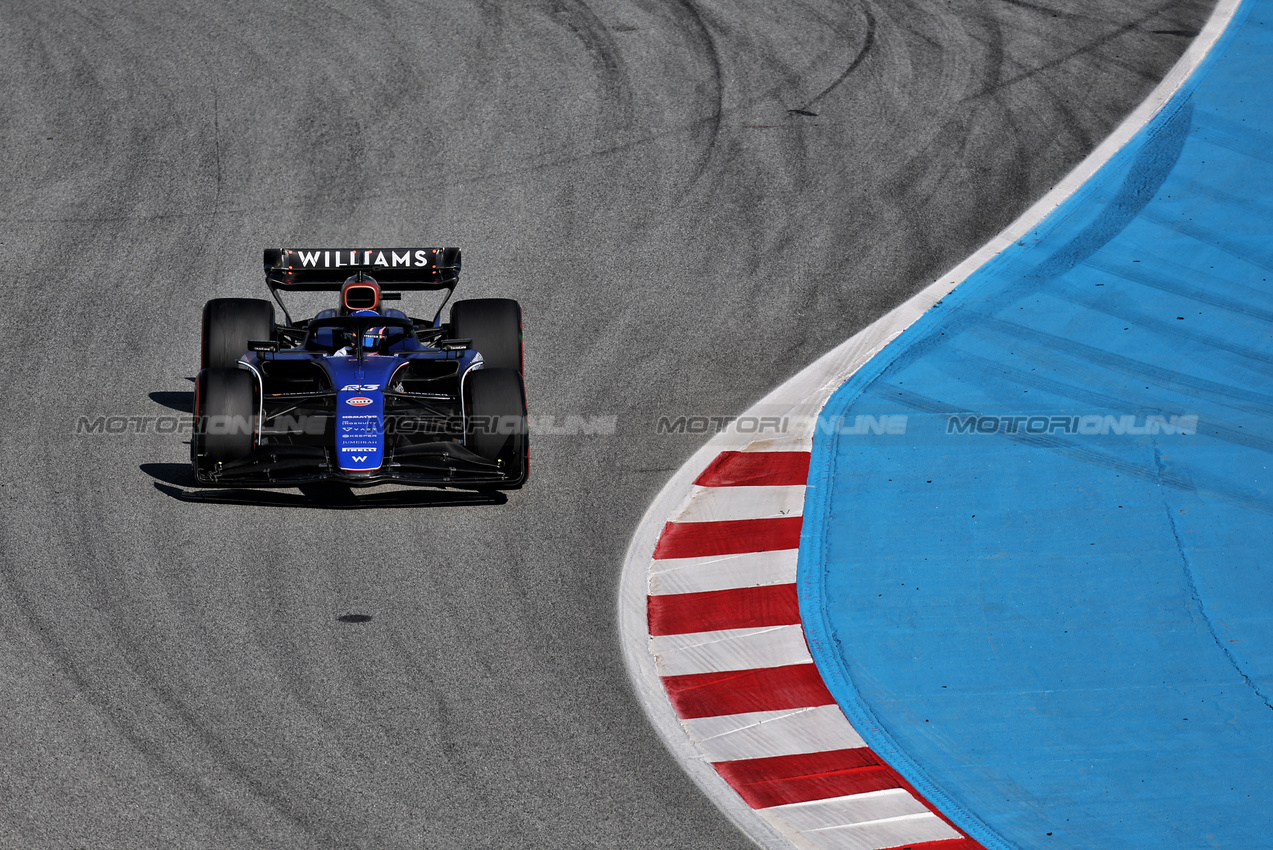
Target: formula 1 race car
[[361, 394]]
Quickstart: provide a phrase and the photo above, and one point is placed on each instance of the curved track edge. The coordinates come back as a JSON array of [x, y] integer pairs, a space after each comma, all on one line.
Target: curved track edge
[[797, 403]]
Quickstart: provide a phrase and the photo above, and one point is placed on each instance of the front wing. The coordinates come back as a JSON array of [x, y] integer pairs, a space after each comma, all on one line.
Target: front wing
[[436, 464]]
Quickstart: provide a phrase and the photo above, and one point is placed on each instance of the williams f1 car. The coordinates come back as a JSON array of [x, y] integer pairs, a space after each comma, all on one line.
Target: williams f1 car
[[361, 394]]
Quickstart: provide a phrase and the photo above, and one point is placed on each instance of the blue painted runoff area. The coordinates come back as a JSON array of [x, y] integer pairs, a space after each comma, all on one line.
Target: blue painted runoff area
[[1037, 560]]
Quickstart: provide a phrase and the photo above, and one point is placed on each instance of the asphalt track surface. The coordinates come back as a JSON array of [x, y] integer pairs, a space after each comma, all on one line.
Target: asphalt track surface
[[682, 236]]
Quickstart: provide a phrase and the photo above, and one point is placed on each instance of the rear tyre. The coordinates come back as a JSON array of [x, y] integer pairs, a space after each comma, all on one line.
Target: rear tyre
[[495, 402], [495, 326], [229, 324], [225, 418]]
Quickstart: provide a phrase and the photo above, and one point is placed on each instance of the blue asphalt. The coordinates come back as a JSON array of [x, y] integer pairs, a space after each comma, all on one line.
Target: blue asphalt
[[1049, 602]]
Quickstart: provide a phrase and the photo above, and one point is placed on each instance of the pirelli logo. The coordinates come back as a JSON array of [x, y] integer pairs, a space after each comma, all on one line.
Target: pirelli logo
[[390, 258]]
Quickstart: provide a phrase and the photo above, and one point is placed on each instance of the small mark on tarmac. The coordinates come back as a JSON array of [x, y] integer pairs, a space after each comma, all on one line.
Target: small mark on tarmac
[[354, 618]]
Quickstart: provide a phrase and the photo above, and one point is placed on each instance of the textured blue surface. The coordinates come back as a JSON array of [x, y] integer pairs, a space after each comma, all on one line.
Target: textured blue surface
[[1065, 638]]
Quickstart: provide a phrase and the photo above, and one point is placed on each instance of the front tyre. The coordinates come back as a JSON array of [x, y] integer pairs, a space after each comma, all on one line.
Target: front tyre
[[225, 419], [495, 404]]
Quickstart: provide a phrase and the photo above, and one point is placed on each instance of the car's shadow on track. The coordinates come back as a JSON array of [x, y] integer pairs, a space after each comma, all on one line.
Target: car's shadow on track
[[180, 402], [177, 481]]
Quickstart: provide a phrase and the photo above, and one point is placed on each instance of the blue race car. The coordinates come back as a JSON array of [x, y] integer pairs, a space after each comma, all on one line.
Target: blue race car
[[361, 393]]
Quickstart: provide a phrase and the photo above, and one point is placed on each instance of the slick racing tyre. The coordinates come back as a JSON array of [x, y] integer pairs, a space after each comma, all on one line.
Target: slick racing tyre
[[229, 324], [495, 403], [225, 418], [495, 326]]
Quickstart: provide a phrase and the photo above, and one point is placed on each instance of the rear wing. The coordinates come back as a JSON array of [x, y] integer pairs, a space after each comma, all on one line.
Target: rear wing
[[395, 269]]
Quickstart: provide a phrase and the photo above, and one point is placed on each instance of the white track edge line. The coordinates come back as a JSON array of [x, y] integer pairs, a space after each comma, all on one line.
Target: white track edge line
[[813, 386]]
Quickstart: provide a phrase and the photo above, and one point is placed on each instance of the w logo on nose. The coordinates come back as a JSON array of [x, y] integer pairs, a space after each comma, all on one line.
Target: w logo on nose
[[359, 458]]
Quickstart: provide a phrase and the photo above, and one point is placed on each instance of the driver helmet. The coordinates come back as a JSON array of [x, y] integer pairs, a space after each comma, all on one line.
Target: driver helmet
[[360, 293], [372, 337]]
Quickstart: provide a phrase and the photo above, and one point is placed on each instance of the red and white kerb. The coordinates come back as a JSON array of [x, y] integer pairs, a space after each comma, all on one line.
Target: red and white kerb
[[725, 632]]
